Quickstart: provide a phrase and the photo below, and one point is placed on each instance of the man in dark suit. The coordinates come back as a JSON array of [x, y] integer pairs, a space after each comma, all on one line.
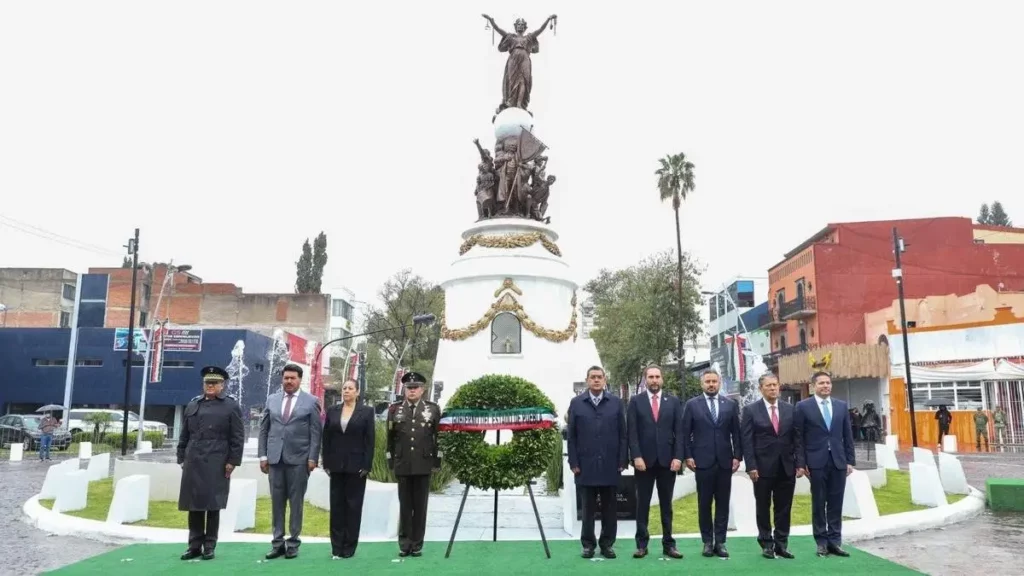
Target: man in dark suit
[[769, 452], [654, 427], [711, 446], [597, 457], [824, 452]]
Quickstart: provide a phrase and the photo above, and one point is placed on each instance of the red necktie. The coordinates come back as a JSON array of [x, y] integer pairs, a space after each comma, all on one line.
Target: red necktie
[[775, 420], [288, 408], [654, 406]]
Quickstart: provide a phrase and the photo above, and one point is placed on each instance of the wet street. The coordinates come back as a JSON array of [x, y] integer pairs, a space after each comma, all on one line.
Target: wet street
[[988, 544]]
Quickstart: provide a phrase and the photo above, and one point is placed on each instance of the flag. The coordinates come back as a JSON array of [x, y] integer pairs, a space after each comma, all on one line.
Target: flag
[[740, 356], [529, 146]]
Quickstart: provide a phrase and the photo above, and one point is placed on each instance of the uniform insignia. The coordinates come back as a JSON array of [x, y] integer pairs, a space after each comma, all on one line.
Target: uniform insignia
[[426, 414], [197, 398]]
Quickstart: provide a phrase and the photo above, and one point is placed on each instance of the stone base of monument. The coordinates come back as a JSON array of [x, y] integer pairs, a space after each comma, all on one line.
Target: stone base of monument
[[951, 472], [131, 500], [99, 467], [859, 498], [240, 513], [924, 456], [72, 491], [925, 485], [55, 475], [885, 456]]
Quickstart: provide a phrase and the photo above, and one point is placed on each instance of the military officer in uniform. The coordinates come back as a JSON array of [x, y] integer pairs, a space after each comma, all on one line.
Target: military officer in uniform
[[209, 449], [413, 456]]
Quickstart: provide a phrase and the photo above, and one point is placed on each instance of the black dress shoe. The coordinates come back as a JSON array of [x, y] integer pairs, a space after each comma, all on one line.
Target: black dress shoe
[[672, 552], [721, 551], [640, 553], [291, 553], [709, 550], [608, 553], [403, 553], [822, 551], [837, 551], [275, 553], [783, 553], [191, 555], [768, 552], [209, 555], [588, 553], [416, 553]]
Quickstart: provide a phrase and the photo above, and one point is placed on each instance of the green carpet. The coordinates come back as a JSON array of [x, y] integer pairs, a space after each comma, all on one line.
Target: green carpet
[[476, 558]]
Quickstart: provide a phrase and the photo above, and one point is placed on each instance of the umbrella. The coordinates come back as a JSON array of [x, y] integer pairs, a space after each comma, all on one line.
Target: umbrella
[[938, 402], [51, 408]]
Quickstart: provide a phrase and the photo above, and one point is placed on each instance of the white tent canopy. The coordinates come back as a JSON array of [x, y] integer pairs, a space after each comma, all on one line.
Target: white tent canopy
[[986, 370]]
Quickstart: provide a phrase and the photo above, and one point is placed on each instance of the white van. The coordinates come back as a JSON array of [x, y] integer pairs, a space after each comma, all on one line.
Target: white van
[[77, 422]]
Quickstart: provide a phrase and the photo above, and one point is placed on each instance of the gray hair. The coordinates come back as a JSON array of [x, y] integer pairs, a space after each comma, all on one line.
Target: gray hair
[[765, 376]]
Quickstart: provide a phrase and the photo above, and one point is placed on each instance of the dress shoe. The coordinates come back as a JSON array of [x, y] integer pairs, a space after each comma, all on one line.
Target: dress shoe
[[640, 553], [588, 553], [709, 550], [191, 555], [275, 553], [672, 552], [291, 553], [783, 553], [416, 553], [721, 551], [403, 553], [837, 551], [768, 552], [822, 551], [209, 555], [608, 553]]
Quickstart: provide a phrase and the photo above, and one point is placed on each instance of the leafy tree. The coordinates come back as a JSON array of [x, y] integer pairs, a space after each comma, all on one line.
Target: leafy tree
[[304, 270], [994, 215], [405, 295], [675, 181], [316, 275], [690, 389], [638, 308]]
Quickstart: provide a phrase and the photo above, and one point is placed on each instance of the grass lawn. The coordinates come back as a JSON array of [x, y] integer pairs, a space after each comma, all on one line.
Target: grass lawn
[[892, 499]]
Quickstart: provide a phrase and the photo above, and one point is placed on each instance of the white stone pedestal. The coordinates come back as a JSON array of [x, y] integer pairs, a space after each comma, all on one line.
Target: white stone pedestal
[[131, 500], [925, 456], [859, 499], [886, 457], [99, 467], [240, 513], [85, 450], [532, 283], [925, 486], [742, 508], [893, 441], [145, 447], [949, 444], [951, 472], [55, 475], [17, 452], [72, 492]]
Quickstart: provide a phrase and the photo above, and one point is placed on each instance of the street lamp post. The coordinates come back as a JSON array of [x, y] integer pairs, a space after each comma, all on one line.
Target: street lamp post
[[417, 321], [133, 249]]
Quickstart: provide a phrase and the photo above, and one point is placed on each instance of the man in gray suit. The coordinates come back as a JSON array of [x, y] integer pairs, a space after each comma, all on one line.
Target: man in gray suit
[[289, 449]]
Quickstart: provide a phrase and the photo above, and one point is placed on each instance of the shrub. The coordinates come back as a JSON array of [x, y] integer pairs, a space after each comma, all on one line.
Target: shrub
[[379, 472]]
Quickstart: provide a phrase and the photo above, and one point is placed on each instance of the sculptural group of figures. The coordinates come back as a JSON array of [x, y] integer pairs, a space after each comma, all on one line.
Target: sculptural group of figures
[[514, 182], [508, 185]]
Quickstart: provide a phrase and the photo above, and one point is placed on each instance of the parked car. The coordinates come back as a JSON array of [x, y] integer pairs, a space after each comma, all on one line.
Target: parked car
[[77, 421], [24, 428]]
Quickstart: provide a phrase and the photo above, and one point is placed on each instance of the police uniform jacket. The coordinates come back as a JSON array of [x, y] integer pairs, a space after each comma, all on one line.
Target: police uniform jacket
[[412, 438], [212, 436]]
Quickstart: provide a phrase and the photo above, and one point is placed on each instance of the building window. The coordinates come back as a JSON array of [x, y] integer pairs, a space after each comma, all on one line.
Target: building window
[[713, 307], [506, 334], [782, 342], [95, 363], [803, 337], [780, 298], [744, 294], [147, 291], [49, 362], [960, 395], [178, 364], [143, 319], [65, 319], [68, 292], [341, 309], [340, 333]]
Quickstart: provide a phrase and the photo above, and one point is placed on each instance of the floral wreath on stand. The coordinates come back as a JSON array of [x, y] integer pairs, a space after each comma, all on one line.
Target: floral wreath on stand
[[498, 402]]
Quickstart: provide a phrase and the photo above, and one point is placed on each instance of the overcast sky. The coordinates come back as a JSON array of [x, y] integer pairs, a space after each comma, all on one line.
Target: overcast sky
[[231, 131]]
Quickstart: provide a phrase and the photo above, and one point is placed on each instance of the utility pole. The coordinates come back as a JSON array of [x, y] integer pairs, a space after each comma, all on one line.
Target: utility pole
[[897, 274], [133, 249], [69, 375]]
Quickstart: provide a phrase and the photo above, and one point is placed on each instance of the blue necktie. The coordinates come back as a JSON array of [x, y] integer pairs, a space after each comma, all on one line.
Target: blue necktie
[[714, 409], [827, 413]]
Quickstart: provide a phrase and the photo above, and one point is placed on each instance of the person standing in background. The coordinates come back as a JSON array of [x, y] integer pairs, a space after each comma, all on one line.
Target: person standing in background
[[980, 428], [46, 427], [999, 418]]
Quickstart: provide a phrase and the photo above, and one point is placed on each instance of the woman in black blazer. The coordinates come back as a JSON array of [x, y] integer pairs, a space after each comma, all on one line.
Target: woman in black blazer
[[348, 441]]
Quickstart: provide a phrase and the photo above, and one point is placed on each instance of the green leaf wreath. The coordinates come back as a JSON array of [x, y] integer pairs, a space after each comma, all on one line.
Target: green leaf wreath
[[514, 464]]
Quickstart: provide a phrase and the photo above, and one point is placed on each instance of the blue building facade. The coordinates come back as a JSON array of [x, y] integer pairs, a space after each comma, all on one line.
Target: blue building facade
[[34, 364]]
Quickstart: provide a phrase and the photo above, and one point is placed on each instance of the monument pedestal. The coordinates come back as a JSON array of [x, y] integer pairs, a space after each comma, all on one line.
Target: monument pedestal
[[511, 307]]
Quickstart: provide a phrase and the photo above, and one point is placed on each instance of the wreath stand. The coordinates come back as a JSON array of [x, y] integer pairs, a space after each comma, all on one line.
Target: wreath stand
[[462, 506]]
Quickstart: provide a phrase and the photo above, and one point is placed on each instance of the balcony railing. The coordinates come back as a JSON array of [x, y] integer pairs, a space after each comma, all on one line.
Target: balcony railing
[[800, 307], [773, 358], [771, 319]]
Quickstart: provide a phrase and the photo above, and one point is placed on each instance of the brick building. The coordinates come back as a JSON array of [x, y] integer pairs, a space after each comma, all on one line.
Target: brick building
[[36, 297], [820, 291]]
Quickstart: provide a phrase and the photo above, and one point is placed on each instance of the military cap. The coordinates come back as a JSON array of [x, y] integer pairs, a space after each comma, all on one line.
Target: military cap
[[413, 380], [214, 374]]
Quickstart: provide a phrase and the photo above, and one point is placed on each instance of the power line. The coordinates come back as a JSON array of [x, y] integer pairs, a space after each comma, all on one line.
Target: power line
[[55, 237]]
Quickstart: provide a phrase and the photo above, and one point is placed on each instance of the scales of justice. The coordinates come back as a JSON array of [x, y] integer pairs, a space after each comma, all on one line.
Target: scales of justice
[[510, 297]]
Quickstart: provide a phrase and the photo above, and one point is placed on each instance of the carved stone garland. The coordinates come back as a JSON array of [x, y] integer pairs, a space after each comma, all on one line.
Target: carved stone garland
[[508, 303], [508, 241]]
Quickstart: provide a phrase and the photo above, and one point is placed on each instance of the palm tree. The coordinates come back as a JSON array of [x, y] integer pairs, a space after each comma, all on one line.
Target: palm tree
[[675, 181]]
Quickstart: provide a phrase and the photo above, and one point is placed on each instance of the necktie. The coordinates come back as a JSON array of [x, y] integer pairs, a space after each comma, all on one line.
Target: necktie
[[595, 399], [288, 408], [714, 409], [654, 406], [775, 420], [827, 413]]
